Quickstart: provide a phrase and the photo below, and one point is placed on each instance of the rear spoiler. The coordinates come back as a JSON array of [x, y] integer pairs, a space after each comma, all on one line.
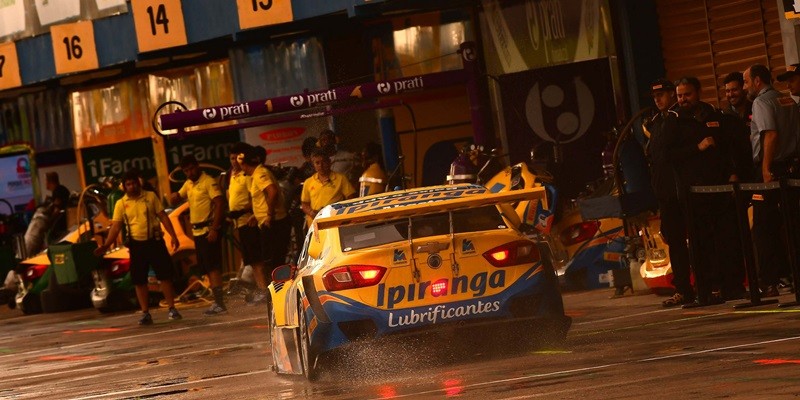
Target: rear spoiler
[[537, 193]]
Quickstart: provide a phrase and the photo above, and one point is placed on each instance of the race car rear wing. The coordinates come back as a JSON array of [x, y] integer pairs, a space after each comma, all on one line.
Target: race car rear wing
[[430, 207]]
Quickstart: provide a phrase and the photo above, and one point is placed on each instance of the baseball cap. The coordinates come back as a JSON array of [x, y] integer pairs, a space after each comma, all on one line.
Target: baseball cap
[[661, 84], [793, 69]]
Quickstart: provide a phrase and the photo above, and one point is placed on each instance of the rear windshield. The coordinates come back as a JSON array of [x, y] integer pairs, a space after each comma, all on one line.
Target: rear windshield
[[354, 237]]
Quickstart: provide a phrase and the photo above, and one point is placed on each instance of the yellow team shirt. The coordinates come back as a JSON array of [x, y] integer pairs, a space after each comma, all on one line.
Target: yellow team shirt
[[372, 181], [319, 195], [199, 194], [262, 178], [140, 215], [239, 196]]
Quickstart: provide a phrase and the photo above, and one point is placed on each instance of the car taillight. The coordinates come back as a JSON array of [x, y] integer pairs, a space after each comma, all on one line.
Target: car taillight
[[352, 276], [119, 268], [579, 232], [439, 288], [514, 253], [35, 271]]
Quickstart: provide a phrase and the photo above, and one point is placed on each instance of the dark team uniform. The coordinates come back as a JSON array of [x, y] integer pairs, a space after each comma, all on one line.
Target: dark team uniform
[[673, 219], [714, 242]]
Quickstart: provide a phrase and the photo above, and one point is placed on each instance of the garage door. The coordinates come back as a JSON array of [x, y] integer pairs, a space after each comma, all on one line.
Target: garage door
[[711, 38]]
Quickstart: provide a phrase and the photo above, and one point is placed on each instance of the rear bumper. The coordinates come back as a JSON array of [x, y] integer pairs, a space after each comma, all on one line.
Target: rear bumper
[[535, 301]]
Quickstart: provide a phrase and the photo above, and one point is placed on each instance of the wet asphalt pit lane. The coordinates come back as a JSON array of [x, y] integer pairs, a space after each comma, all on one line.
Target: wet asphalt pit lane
[[402, 358]]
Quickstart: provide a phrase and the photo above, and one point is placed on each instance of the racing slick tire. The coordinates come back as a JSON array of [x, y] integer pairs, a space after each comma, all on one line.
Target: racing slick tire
[[307, 358]]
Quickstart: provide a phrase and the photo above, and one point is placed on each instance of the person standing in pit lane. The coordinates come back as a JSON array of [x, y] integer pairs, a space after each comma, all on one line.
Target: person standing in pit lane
[[140, 211], [700, 148], [774, 135], [240, 206], [272, 220], [673, 220], [206, 205]]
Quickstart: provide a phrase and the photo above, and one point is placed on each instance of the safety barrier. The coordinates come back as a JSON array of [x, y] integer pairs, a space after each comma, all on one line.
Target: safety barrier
[[789, 195]]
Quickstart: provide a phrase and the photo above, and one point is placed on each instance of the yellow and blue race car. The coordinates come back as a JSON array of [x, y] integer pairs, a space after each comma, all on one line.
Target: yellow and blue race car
[[412, 261]]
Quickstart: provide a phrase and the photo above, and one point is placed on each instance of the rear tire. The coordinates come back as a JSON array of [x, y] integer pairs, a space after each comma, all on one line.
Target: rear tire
[[307, 358]]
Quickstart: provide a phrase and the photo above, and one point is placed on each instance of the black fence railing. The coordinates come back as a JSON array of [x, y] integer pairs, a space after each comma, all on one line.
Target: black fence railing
[[787, 195]]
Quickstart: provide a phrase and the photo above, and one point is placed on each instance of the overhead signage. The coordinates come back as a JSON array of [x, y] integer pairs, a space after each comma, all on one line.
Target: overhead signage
[[15, 179], [74, 48], [538, 33], [9, 66], [256, 13], [304, 101], [568, 105], [115, 159], [159, 24], [284, 141]]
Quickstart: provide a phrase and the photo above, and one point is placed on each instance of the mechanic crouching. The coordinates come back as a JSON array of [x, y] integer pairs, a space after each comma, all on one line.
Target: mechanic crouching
[[701, 148]]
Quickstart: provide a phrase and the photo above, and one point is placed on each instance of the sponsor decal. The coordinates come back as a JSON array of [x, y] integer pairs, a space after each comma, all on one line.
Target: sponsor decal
[[210, 113], [384, 87], [282, 134], [312, 99], [109, 166], [234, 111], [23, 166], [440, 313], [476, 285], [296, 101], [399, 257], [408, 84], [467, 247], [406, 199]]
